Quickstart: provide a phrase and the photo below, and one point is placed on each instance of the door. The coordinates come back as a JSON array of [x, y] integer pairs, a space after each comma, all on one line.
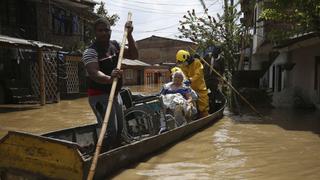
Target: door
[[317, 77], [318, 80]]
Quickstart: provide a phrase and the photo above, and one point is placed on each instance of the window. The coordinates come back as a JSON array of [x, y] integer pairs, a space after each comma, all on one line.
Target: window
[[317, 74], [279, 79], [63, 22], [273, 77], [129, 73]]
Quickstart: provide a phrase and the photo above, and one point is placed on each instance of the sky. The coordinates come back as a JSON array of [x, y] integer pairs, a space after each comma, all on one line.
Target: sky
[[156, 17]]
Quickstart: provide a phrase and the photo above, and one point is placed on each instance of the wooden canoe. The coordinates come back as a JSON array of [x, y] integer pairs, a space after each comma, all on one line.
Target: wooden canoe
[[57, 155]]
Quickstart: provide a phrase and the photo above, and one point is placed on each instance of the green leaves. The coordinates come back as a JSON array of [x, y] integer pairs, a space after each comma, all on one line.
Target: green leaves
[[206, 30], [296, 16], [101, 11]]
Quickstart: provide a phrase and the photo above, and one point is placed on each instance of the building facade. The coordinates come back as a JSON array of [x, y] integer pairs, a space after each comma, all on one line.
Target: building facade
[[157, 50], [58, 22], [290, 70], [160, 53]]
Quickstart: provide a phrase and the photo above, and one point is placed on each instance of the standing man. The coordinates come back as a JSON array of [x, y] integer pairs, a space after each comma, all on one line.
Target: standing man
[[213, 57], [193, 70], [101, 60]]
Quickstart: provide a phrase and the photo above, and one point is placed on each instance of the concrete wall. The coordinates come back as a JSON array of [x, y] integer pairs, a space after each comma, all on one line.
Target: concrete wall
[[298, 82], [257, 60], [303, 74]]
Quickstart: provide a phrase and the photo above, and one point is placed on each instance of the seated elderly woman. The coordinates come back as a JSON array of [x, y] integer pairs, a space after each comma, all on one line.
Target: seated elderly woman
[[177, 98]]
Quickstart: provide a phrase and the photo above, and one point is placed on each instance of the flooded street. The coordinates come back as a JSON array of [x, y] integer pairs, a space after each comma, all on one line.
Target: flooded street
[[287, 147], [283, 145], [51, 117]]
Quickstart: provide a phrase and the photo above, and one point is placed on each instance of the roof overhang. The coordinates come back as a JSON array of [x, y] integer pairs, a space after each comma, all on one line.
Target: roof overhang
[[12, 42], [305, 40], [129, 62]]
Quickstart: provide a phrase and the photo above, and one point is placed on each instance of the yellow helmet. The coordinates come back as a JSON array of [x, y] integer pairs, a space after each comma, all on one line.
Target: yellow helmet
[[175, 69], [182, 56]]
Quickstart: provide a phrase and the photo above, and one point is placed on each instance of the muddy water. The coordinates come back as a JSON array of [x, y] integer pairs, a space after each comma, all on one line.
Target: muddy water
[[51, 117], [284, 145]]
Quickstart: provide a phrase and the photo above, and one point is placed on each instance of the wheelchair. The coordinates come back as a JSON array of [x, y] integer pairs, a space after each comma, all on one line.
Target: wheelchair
[[143, 116]]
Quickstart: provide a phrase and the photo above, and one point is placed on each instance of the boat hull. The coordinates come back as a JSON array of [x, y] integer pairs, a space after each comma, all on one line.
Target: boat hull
[[121, 157]]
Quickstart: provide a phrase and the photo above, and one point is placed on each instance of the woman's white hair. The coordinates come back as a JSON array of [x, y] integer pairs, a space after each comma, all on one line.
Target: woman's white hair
[[179, 73]]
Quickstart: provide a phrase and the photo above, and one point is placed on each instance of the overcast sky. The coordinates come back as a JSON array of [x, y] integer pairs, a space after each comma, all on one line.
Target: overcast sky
[[156, 17]]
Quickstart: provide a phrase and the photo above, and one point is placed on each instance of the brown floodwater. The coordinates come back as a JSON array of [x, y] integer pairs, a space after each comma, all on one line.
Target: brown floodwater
[[51, 117], [283, 145]]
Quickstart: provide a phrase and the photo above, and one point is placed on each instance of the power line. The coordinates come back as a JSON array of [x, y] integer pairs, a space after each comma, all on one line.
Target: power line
[[155, 11], [161, 4], [155, 30]]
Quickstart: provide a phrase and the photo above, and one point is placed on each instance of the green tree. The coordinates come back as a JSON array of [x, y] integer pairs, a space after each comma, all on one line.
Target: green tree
[[225, 30], [293, 17], [101, 11]]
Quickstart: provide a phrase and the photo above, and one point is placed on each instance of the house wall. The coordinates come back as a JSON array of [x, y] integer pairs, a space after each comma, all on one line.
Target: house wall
[[17, 19], [303, 75], [155, 50], [298, 82], [130, 76], [156, 76], [46, 31], [257, 60]]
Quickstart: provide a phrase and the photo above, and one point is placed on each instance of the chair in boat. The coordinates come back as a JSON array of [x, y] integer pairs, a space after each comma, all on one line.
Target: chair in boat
[[144, 116]]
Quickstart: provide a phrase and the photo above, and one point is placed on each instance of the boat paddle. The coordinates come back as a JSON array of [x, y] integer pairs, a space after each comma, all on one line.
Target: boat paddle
[[223, 79], [108, 111]]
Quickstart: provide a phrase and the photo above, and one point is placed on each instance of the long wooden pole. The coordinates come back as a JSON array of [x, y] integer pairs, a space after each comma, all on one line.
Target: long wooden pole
[[108, 111], [218, 74], [243, 98]]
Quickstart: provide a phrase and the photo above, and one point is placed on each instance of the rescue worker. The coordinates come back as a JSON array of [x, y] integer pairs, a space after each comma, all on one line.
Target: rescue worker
[[193, 70], [213, 56]]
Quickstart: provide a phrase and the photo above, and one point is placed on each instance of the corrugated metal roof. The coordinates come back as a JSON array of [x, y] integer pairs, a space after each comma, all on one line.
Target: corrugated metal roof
[[7, 40], [130, 62], [91, 1]]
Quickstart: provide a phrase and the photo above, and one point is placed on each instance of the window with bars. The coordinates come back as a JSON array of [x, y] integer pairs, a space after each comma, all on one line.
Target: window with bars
[[129, 73]]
